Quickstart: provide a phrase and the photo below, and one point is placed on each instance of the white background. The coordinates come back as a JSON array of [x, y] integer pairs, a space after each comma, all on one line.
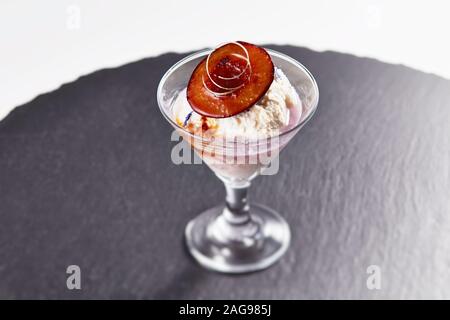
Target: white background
[[47, 43]]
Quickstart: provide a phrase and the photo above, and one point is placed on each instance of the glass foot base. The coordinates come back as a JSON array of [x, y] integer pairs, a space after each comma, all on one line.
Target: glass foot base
[[237, 246]]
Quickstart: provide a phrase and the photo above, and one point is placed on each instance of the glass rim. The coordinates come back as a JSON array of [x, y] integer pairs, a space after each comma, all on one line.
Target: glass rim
[[204, 52]]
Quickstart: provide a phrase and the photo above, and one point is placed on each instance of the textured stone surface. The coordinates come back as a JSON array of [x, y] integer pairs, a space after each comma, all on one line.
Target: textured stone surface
[[86, 178]]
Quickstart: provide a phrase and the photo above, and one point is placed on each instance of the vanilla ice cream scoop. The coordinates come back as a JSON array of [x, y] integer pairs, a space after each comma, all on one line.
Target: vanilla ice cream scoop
[[264, 119]]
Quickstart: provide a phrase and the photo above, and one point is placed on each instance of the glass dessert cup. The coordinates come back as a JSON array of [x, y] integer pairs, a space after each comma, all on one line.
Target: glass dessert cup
[[238, 237]]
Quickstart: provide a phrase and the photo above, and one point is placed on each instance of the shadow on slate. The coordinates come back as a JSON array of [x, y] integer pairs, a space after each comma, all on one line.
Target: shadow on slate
[[86, 179]]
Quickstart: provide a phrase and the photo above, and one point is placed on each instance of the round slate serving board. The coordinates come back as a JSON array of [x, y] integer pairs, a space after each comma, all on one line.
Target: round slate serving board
[[86, 179]]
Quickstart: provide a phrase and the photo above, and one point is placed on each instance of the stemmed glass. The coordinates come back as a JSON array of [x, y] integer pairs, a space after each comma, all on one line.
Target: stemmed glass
[[238, 237]]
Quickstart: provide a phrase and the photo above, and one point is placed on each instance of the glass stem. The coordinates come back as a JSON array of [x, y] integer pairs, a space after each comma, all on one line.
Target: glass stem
[[237, 210]]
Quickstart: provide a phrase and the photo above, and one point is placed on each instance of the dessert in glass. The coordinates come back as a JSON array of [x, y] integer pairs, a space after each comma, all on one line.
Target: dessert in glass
[[238, 106]]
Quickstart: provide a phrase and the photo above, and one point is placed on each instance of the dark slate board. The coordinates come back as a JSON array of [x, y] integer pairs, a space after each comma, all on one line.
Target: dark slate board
[[86, 179]]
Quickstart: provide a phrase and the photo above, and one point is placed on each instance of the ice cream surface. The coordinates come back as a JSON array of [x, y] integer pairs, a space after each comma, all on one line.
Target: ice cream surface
[[266, 118]]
